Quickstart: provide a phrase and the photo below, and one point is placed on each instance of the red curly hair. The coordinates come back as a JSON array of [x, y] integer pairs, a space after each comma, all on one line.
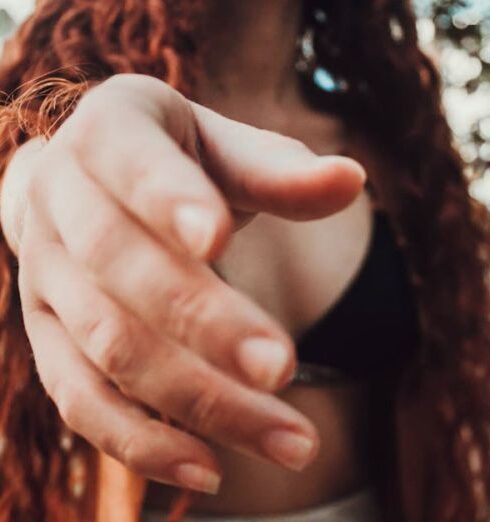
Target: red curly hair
[[438, 468]]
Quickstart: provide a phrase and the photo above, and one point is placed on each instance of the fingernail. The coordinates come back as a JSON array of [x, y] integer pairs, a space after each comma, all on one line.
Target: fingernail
[[263, 360], [196, 228], [198, 478], [290, 449]]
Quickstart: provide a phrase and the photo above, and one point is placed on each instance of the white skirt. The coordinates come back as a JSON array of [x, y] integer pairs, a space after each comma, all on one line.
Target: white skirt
[[360, 507]]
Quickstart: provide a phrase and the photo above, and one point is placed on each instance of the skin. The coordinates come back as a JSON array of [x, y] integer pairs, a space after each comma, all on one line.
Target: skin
[[123, 293], [317, 259]]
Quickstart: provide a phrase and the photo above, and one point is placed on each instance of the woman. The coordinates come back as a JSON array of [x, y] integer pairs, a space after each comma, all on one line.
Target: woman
[[113, 252]]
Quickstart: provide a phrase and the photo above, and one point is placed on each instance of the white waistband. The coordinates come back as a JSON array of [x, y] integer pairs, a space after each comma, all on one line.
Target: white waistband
[[360, 507]]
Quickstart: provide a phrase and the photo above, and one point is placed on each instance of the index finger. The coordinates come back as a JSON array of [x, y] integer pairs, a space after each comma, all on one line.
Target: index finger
[[263, 171]]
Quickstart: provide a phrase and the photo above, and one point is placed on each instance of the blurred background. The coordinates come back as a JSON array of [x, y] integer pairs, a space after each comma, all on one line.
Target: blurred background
[[456, 33]]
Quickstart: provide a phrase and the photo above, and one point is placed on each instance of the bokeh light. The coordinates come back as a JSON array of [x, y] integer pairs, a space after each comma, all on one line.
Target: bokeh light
[[456, 33]]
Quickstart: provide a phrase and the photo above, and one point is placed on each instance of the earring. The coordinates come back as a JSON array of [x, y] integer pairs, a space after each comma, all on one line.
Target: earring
[[307, 62]]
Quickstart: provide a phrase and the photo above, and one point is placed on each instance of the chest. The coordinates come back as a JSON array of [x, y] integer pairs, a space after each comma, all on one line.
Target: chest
[[297, 271], [339, 285]]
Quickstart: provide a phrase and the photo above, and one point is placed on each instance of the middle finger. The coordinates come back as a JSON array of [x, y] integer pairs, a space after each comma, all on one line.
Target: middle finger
[[174, 295], [166, 377]]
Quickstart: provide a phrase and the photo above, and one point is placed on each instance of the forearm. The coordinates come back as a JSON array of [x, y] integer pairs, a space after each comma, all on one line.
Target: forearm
[[14, 191]]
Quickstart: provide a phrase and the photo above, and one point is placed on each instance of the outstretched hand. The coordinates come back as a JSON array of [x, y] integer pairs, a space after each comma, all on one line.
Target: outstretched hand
[[128, 204]]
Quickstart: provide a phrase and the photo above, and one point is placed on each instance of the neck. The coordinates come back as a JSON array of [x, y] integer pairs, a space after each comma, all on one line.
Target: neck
[[251, 50]]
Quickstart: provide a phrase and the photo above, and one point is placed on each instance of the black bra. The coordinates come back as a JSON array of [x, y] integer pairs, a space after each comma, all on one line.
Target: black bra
[[373, 328]]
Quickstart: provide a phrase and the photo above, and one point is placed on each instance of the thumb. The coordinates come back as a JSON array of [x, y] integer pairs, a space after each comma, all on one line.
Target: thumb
[[262, 171]]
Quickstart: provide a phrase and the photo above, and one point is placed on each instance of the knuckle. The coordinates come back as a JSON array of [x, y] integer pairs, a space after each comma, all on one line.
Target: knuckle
[[129, 80], [170, 98], [154, 97], [93, 241], [44, 175], [143, 86], [130, 452], [204, 412], [84, 123], [66, 398], [189, 309], [135, 185], [108, 340]]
